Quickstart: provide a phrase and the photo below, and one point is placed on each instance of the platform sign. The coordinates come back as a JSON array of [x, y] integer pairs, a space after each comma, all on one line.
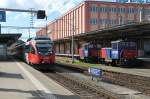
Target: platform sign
[[2, 16], [96, 72]]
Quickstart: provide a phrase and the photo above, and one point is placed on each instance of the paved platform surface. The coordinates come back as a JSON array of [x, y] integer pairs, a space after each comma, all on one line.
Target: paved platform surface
[[134, 71], [20, 81]]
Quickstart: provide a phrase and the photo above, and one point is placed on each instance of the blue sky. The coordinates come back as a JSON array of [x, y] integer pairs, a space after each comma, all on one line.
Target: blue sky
[[54, 9]]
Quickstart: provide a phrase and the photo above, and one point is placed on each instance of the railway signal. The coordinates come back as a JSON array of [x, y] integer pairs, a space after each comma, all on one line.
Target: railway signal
[[40, 13]]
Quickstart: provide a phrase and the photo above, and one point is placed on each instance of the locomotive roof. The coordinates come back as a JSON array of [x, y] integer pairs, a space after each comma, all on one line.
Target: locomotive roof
[[118, 41], [39, 38], [42, 38]]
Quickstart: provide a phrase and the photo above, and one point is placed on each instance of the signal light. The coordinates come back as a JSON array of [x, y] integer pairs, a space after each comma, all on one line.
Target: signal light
[[41, 14]]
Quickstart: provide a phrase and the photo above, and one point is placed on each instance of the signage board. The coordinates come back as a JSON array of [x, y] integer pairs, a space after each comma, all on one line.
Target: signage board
[[95, 72], [133, 1], [2, 16]]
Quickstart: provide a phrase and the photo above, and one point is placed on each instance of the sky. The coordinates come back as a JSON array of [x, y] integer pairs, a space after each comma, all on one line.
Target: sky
[[53, 8]]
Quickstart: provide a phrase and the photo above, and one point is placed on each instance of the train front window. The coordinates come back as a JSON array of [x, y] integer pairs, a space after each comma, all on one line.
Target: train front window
[[44, 47]]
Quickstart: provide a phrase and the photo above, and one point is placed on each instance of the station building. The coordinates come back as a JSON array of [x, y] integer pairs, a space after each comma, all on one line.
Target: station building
[[92, 16]]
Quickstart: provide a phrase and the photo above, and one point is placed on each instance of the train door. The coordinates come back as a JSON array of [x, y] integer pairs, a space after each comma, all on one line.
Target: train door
[[26, 52], [32, 56], [147, 48]]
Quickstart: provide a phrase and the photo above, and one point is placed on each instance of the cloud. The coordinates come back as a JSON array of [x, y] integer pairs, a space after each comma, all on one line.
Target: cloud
[[21, 15], [49, 5], [3, 3]]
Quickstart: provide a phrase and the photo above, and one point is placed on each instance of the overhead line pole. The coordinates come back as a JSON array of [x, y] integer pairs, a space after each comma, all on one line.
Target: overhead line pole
[[73, 32], [46, 27]]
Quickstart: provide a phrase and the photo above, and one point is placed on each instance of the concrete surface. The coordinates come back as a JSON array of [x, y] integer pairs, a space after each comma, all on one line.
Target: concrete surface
[[20, 81]]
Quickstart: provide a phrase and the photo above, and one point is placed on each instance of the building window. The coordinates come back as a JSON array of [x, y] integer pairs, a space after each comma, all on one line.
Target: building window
[[130, 10], [136, 10], [115, 10], [100, 21], [103, 9], [133, 10], [119, 10], [106, 9], [122, 10], [109, 9], [147, 11], [93, 9], [100, 9], [93, 21]]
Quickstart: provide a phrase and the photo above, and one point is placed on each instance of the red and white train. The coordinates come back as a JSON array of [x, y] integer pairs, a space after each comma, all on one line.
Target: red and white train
[[36, 51]]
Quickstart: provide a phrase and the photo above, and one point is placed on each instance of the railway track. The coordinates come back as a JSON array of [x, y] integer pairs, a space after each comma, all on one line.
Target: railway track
[[82, 89], [136, 82], [139, 83]]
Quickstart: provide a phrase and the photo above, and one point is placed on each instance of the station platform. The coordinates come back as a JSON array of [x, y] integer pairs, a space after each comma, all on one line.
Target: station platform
[[133, 71], [20, 81]]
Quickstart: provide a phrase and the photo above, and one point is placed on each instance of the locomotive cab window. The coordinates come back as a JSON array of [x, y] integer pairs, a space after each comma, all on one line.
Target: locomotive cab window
[[114, 46]]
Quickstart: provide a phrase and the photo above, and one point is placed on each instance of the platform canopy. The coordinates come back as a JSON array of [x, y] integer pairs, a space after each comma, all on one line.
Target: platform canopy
[[9, 38], [132, 30]]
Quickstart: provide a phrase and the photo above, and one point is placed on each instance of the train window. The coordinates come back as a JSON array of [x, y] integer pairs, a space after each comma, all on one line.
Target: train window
[[91, 46], [42, 38], [114, 46], [32, 50], [85, 46], [27, 49]]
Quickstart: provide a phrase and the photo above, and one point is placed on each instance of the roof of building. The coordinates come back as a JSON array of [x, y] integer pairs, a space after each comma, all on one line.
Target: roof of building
[[9, 38]]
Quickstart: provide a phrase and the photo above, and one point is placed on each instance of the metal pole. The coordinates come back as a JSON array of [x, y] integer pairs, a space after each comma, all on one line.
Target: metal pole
[[18, 10], [141, 15], [120, 20], [29, 33], [72, 47], [0, 28], [46, 26]]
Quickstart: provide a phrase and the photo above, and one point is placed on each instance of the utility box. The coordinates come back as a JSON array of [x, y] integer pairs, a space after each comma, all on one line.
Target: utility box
[[3, 51]]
